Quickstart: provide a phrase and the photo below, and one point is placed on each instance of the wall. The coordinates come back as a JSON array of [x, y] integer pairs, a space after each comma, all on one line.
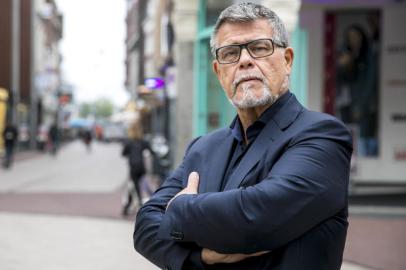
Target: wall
[[25, 64], [5, 44], [185, 26]]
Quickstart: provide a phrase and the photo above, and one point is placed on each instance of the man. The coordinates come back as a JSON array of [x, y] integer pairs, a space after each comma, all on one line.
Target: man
[[10, 136], [270, 191], [54, 138]]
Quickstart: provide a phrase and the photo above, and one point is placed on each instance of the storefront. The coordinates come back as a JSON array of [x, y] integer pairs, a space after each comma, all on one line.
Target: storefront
[[356, 71]]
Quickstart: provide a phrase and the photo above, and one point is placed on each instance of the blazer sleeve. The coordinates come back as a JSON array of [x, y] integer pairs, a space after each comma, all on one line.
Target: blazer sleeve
[[167, 254], [307, 185]]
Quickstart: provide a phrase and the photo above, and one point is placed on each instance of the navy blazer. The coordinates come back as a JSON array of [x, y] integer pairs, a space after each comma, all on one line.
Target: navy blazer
[[288, 196]]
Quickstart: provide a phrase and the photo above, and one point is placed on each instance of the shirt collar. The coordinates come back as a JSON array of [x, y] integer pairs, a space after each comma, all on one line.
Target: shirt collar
[[256, 127]]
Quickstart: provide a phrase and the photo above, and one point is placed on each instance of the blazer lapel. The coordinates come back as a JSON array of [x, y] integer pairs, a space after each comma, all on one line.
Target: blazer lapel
[[271, 132], [217, 164]]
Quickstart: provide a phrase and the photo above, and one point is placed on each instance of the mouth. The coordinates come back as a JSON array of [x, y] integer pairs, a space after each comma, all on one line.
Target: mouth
[[247, 79], [243, 79]]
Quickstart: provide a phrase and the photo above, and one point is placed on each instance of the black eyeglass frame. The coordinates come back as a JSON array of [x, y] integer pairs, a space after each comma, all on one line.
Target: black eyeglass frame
[[245, 45]]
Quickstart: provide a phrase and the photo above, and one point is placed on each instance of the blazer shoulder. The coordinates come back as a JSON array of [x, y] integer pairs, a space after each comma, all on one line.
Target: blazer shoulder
[[213, 136], [320, 124], [314, 118]]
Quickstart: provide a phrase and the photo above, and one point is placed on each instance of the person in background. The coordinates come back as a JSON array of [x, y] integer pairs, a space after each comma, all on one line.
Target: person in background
[[53, 138], [133, 150], [87, 137], [10, 136], [357, 88]]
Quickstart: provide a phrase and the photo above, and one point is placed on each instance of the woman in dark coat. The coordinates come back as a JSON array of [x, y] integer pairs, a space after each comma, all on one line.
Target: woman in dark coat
[[134, 149]]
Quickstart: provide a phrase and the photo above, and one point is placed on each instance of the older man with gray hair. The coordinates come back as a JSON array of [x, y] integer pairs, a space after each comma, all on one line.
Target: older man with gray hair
[[270, 190]]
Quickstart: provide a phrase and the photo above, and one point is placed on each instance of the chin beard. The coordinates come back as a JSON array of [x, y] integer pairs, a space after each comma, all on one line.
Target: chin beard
[[249, 100]]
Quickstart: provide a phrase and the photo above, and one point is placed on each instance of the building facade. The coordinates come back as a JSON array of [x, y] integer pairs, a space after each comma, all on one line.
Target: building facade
[[29, 70], [15, 67], [150, 65], [47, 22]]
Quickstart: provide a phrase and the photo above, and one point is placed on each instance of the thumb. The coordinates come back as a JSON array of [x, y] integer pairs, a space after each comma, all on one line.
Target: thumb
[[258, 253], [193, 181]]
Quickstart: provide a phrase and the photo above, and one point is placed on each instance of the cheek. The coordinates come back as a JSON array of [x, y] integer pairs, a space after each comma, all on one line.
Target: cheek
[[275, 75], [226, 81]]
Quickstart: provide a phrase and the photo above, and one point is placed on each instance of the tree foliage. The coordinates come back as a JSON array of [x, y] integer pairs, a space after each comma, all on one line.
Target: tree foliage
[[85, 109], [100, 108], [103, 108]]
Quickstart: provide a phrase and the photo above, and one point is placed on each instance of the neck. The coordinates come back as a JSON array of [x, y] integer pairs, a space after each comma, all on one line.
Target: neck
[[249, 116]]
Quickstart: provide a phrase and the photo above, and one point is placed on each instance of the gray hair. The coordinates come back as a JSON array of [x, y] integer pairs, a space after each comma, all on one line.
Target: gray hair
[[249, 12]]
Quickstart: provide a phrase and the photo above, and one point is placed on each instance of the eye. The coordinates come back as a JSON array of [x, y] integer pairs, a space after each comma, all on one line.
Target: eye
[[228, 53], [260, 48]]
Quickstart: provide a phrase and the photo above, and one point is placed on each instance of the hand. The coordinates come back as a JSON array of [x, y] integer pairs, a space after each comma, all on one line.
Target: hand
[[191, 188], [213, 257]]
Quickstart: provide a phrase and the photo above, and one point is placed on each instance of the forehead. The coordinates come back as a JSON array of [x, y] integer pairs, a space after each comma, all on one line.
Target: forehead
[[240, 32]]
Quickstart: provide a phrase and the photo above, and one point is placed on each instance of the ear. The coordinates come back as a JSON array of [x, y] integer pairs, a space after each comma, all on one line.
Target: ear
[[289, 58], [215, 66]]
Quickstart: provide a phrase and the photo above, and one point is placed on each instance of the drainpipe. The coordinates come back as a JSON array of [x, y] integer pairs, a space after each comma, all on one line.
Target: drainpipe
[[15, 59], [33, 88]]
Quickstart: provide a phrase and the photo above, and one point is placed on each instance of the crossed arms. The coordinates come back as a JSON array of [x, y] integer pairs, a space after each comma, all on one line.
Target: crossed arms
[[307, 185]]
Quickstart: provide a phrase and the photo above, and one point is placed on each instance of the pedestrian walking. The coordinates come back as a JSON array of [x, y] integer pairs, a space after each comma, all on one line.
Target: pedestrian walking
[[134, 149], [87, 139], [53, 139], [10, 136]]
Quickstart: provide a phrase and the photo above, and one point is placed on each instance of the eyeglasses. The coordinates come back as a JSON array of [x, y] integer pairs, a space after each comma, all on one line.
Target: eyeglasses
[[257, 49]]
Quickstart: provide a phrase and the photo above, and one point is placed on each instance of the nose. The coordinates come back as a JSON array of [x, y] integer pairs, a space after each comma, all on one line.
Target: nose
[[246, 61]]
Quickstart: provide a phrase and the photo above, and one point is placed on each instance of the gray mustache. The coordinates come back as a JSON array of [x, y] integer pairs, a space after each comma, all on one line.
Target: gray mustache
[[242, 78]]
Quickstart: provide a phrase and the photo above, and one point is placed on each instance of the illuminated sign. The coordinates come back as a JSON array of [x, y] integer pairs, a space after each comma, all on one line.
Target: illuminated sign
[[154, 83]]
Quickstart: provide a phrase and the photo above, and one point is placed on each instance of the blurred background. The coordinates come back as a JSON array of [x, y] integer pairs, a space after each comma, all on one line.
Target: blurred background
[[75, 75]]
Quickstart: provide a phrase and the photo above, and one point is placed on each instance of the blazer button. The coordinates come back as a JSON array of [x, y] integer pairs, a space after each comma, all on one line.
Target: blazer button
[[177, 236]]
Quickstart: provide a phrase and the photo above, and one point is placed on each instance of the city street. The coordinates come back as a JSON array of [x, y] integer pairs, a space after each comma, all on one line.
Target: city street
[[63, 212]]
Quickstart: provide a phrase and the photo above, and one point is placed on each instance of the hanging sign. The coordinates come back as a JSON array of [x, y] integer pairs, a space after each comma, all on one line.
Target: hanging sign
[[154, 83]]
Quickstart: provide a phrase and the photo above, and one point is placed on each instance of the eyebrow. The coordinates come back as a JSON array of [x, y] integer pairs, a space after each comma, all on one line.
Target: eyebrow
[[243, 42]]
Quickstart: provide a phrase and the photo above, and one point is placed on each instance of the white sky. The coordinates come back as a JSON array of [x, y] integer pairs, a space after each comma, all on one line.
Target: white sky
[[93, 48]]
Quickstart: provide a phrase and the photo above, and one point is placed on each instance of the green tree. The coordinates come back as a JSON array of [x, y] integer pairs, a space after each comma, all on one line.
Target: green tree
[[100, 108], [103, 108], [85, 109]]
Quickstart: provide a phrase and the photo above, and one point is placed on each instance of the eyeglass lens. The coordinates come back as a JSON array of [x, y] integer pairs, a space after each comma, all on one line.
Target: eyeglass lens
[[256, 48]]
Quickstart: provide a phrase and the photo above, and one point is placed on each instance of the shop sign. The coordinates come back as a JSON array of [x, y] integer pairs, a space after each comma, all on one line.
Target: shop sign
[[154, 83]]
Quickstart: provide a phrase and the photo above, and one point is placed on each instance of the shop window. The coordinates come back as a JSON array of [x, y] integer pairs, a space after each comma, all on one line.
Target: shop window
[[352, 48]]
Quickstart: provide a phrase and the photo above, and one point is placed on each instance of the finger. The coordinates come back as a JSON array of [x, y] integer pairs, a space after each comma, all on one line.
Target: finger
[[193, 181]]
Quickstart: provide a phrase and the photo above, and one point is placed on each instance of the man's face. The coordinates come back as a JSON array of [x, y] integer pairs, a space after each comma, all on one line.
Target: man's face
[[252, 82]]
